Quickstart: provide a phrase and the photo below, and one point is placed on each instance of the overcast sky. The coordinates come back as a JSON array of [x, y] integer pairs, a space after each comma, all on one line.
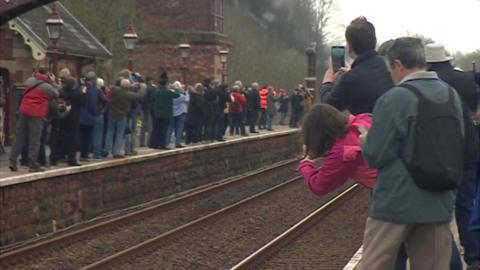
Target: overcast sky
[[455, 24]]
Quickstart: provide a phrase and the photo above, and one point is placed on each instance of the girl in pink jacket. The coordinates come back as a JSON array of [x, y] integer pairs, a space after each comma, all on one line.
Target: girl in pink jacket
[[333, 135]]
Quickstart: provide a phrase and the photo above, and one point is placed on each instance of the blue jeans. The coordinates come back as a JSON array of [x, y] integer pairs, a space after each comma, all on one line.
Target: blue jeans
[[97, 136], [283, 117], [270, 121], [463, 213], [131, 138], [177, 123], [115, 128]]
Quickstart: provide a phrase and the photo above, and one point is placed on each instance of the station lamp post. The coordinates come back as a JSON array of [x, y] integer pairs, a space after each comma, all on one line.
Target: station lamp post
[[224, 59], [130, 39], [311, 79], [54, 25], [184, 53]]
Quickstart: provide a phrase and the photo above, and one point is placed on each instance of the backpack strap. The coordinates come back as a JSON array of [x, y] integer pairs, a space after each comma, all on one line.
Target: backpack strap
[[412, 89], [31, 88]]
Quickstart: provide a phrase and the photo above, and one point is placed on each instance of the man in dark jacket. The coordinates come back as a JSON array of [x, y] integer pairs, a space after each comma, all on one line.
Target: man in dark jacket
[[163, 112], [358, 89], [464, 84], [88, 112], [210, 100], [39, 90], [223, 96], [146, 104], [253, 106]]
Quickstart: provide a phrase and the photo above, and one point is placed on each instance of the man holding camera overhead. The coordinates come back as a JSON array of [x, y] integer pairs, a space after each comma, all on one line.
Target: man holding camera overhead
[[357, 89]]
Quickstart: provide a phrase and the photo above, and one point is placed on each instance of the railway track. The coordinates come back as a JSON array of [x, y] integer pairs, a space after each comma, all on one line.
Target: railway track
[[216, 241], [297, 247], [100, 240]]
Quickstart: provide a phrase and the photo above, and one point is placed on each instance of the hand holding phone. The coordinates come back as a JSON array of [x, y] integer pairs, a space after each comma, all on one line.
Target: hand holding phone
[[338, 57]]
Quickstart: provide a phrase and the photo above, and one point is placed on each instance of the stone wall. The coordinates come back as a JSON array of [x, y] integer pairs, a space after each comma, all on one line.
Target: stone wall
[[31, 204]]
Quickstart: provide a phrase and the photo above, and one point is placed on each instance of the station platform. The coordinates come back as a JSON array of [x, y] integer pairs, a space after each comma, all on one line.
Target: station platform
[[35, 204]]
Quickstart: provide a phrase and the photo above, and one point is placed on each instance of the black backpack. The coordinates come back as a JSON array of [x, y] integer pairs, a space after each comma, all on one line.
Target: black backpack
[[437, 162]]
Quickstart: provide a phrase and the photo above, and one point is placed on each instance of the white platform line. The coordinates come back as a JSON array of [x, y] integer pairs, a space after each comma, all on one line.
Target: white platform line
[[355, 260]]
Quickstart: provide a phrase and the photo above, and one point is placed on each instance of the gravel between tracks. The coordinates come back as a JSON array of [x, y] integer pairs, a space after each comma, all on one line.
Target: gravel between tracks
[[78, 254], [329, 244], [222, 243]]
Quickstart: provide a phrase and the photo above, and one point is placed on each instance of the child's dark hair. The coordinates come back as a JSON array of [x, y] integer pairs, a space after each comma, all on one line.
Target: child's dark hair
[[322, 126]]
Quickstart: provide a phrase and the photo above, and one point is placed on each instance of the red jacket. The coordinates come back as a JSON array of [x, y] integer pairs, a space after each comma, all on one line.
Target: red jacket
[[263, 98], [238, 103], [35, 100], [342, 162]]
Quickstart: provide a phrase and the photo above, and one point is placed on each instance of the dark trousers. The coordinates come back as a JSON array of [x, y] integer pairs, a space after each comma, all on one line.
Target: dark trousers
[[85, 140], [252, 118], [219, 124], [193, 132], [158, 138], [237, 126], [463, 213], [56, 143], [296, 117], [27, 129], [69, 132], [262, 124]]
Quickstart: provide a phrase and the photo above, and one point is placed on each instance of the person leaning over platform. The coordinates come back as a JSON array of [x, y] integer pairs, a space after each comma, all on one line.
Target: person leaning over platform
[[331, 134], [464, 84], [39, 90], [401, 212], [357, 89]]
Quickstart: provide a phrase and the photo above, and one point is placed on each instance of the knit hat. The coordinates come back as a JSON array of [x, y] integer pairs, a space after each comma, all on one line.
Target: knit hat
[[163, 79], [91, 76]]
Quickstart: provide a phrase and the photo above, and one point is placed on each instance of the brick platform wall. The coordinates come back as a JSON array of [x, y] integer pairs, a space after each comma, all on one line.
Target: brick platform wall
[[29, 209]]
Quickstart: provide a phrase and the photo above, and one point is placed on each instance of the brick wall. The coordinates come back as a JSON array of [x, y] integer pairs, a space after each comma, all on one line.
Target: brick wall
[[153, 59], [29, 209], [189, 15]]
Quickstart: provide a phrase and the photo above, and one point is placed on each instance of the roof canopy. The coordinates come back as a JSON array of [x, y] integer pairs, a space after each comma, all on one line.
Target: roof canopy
[[76, 40], [10, 9]]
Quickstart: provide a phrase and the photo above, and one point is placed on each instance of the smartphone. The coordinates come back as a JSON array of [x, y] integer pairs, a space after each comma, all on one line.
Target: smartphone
[[338, 57]]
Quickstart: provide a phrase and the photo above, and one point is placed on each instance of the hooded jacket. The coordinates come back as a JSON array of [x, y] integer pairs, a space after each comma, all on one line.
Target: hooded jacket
[[342, 162]]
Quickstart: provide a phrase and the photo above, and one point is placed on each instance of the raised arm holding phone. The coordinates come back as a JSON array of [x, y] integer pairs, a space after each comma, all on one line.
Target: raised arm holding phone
[[358, 88]]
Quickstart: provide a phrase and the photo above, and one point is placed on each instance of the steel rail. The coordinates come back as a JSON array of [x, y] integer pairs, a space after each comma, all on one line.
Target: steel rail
[[268, 249], [9, 258], [172, 234]]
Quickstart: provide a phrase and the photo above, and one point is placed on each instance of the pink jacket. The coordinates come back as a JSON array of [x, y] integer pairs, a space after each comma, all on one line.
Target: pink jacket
[[344, 161]]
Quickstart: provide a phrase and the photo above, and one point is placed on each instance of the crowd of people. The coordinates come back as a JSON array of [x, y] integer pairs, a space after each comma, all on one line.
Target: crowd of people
[[401, 121], [82, 117]]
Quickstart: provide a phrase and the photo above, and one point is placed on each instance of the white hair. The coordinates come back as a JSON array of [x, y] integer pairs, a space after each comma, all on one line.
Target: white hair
[[125, 83], [100, 83]]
